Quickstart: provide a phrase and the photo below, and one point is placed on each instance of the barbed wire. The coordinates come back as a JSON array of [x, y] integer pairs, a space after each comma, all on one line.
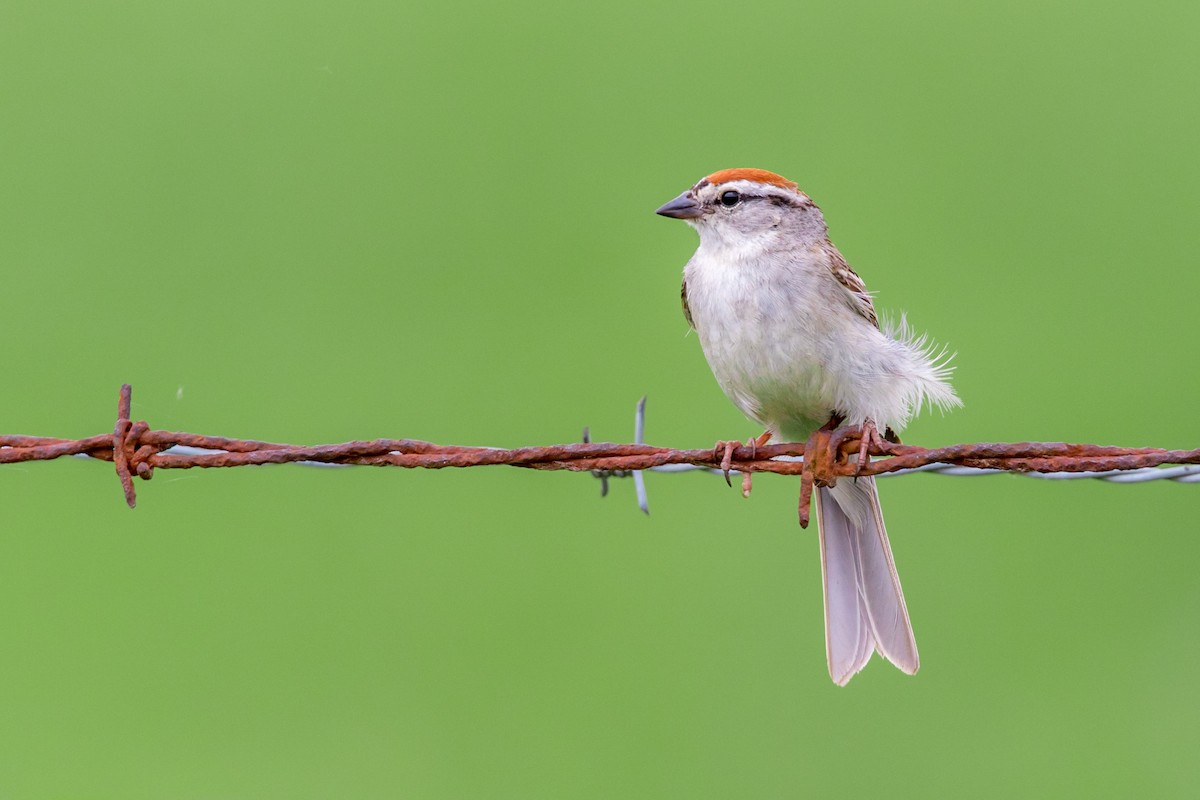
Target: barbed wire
[[136, 450]]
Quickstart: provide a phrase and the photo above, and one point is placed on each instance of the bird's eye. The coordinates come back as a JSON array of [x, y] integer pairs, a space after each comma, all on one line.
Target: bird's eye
[[730, 199]]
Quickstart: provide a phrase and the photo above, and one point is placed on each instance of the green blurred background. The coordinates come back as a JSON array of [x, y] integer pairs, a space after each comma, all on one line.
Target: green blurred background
[[313, 222]]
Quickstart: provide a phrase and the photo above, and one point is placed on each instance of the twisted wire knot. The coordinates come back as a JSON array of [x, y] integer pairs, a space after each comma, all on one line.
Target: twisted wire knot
[[130, 456]]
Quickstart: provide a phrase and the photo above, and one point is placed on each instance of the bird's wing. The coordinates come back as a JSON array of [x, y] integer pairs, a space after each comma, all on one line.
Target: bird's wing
[[687, 312], [857, 294]]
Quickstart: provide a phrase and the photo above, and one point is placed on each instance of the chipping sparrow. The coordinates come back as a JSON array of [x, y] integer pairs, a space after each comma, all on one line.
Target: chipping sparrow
[[791, 335]]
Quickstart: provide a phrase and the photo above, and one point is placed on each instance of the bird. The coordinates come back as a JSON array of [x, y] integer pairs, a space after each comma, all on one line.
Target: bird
[[793, 339]]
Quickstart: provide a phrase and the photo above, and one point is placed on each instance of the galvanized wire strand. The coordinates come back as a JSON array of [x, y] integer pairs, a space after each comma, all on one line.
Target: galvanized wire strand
[[1185, 473]]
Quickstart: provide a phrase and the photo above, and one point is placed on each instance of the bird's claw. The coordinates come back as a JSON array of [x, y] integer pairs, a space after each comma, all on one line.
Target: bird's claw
[[869, 439], [724, 450]]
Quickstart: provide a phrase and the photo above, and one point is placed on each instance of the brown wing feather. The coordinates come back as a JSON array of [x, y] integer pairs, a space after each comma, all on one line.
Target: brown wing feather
[[859, 297], [687, 312]]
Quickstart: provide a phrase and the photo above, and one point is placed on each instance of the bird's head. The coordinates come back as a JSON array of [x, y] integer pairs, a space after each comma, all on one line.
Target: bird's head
[[737, 204]]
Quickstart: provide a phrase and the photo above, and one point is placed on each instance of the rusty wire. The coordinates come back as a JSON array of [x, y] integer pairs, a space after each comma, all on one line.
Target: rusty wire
[[137, 450]]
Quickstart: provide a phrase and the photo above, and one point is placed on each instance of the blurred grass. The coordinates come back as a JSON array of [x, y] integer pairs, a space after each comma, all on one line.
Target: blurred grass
[[311, 222]]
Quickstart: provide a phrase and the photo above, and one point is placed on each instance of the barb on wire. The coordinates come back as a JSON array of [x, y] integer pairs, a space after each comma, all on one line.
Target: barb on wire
[[137, 450], [639, 482]]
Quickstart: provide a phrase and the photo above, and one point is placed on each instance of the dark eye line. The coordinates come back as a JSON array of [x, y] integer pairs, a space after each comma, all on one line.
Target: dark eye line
[[742, 198]]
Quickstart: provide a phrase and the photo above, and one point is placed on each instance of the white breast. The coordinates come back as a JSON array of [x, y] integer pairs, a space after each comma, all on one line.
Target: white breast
[[788, 348]]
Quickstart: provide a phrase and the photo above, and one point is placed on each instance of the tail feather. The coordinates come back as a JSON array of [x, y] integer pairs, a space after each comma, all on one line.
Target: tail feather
[[864, 604]]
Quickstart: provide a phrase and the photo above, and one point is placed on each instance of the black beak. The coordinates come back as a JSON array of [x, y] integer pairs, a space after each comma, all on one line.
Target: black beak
[[682, 207]]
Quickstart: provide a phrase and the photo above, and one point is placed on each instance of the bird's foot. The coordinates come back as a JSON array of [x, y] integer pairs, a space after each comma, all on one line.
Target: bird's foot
[[724, 449], [823, 449], [819, 461], [870, 441]]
